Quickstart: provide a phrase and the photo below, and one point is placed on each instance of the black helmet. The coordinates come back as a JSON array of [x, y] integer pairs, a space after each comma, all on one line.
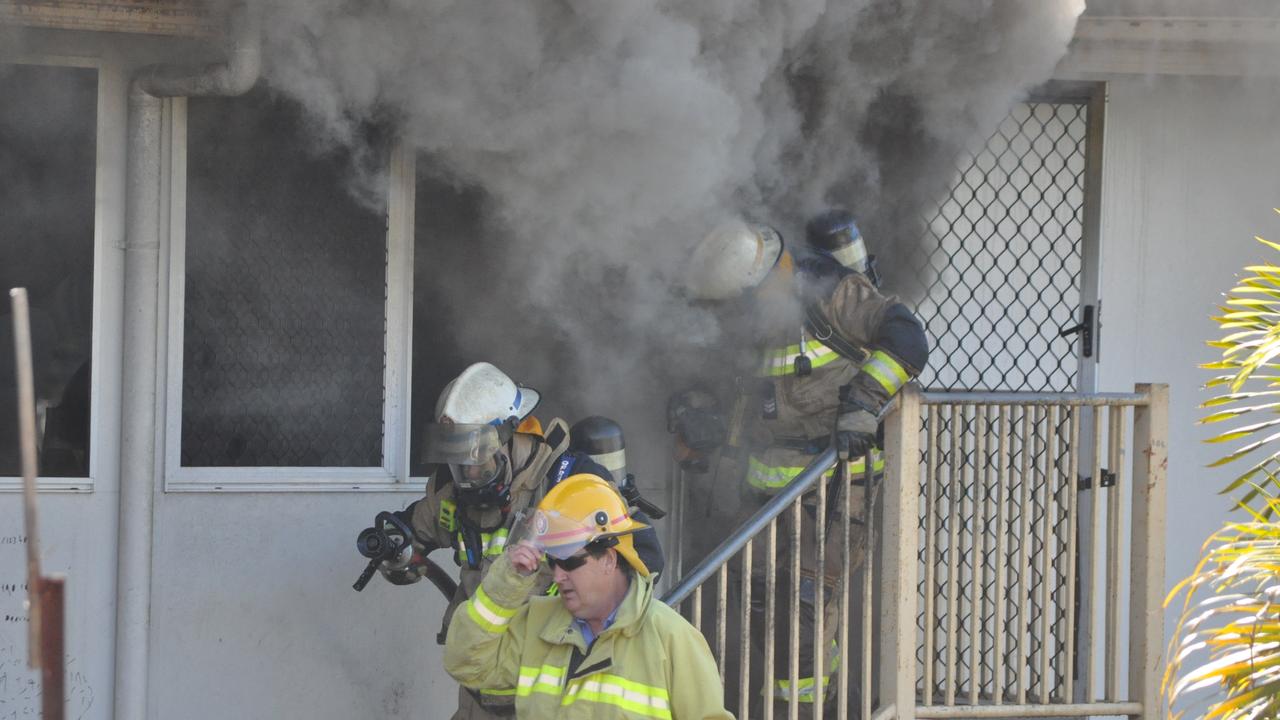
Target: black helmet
[[601, 439], [835, 235]]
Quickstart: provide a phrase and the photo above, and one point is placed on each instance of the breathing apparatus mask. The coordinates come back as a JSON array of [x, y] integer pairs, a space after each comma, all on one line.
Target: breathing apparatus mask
[[477, 460], [836, 236]]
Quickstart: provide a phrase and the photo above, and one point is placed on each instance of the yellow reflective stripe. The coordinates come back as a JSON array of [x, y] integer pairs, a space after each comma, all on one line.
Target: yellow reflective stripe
[[885, 370], [629, 695], [488, 614], [448, 515], [805, 686], [498, 693], [553, 590], [495, 543], [546, 679], [782, 361], [776, 477]]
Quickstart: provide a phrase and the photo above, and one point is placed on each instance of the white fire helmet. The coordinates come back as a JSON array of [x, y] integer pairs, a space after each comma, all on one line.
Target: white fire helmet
[[735, 257], [483, 395]]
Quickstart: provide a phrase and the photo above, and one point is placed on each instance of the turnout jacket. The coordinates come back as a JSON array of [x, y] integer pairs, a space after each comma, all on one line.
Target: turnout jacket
[[798, 411], [650, 663], [437, 521]]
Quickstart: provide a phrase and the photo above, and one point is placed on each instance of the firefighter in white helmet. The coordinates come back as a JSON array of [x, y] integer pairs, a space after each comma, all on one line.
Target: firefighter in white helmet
[[830, 352], [492, 461]]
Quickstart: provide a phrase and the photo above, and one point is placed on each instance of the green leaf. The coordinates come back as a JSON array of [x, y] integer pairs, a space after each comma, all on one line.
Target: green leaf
[[1245, 431], [1237, 412]]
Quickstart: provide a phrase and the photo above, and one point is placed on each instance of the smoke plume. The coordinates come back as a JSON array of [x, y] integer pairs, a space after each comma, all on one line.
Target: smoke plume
[[607, 136]]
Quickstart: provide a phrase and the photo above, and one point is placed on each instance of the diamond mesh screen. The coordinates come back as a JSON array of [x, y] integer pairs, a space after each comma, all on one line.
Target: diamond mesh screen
[[283, 348], [993, 560], [1004, 254]]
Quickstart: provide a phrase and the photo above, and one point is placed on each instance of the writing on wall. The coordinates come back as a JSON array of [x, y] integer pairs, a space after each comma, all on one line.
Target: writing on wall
[[20, 696]]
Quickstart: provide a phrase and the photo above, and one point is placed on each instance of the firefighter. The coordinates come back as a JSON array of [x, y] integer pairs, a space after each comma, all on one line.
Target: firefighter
[[831, 351], [606, 647], [493, 461]]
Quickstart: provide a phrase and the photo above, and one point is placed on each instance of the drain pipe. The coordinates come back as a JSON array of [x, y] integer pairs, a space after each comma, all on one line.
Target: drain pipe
[[138, 458]]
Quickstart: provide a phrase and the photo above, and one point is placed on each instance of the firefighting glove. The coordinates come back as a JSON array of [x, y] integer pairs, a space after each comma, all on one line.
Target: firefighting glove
[[856, 423]]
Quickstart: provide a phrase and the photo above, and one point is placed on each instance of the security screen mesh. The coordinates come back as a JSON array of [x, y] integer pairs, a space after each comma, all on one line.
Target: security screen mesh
[[1004, 252], [48, 121], [995, 524], [1005, 257], [283, 347]]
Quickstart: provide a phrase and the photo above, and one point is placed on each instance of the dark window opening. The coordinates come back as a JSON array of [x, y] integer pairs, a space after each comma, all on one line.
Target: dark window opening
[[449, 242], [285, 299], [48, 143]]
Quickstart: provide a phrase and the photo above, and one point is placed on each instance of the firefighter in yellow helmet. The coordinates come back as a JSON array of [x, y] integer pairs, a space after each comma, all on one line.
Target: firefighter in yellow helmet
[[606, 647], [492, 462]]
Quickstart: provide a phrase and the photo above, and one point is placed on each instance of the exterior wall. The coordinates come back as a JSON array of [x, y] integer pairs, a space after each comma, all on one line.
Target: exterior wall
[[252, 613], [78, 528], [1189, 180]]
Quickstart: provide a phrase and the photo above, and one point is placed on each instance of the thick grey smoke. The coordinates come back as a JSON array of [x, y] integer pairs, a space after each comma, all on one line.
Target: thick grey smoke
[[609, 135]]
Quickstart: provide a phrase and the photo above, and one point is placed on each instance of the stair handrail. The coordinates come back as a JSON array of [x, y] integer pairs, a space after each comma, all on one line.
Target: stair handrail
[[752, 527]]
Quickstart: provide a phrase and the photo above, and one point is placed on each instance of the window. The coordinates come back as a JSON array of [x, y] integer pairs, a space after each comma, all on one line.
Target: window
[[48, 162], [449, 243], [286, 310]]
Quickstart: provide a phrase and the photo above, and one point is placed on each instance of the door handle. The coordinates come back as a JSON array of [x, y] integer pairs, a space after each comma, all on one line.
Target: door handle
[[1085, 330]]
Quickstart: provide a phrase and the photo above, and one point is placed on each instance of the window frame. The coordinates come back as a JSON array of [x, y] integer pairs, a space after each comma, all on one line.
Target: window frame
[[107, 313], [393, 474]]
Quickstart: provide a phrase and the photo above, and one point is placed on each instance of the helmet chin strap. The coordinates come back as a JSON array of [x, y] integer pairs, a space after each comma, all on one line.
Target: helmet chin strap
[[873, 271]]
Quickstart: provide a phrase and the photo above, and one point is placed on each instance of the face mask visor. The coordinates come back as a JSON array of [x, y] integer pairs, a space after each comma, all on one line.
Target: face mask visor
[[849, 249], [552, 533], [472, 452]]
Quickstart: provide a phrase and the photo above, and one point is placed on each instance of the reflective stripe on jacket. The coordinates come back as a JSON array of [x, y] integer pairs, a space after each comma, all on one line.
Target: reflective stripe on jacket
[[650, 663], [782, 360], [805, 405], [772, 478]]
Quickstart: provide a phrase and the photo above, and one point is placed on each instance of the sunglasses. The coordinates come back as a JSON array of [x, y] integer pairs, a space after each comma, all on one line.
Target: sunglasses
[[569, 564]]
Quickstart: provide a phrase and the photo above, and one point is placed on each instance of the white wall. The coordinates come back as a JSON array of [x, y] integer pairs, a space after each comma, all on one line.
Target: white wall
[[253, 615], [252, 612], [1190, 177], [78, 529]]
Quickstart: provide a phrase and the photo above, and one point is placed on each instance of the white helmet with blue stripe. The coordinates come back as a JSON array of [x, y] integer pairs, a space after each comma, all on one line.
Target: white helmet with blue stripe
[[484, 395], [732, 259]]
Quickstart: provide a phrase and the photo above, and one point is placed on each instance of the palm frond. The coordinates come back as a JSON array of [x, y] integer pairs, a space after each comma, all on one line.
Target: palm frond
[[1224, 658]]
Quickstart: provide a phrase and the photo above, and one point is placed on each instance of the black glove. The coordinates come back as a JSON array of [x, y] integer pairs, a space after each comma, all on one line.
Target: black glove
[[856, 424], [694, 415]]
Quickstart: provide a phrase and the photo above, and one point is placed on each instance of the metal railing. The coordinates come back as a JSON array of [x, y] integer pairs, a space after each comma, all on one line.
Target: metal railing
[[995, 587]]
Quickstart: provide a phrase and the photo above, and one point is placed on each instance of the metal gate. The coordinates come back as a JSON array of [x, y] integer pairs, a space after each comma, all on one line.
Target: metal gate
[[1011, 305]]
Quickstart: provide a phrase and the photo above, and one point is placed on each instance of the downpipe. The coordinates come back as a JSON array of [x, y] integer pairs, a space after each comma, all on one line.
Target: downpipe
[[143, 356]]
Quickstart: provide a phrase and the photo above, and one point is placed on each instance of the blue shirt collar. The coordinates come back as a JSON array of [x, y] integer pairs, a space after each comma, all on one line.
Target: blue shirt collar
[[589, 636]]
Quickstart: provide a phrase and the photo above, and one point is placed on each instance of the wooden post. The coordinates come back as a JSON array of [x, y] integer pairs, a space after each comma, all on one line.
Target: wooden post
[[52, 665], [44, 595], [1146, 565], [27, 442], [898, 587]]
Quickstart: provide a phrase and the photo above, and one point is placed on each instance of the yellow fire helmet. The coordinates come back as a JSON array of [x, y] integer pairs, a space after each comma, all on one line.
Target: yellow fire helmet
[[580, 510]]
